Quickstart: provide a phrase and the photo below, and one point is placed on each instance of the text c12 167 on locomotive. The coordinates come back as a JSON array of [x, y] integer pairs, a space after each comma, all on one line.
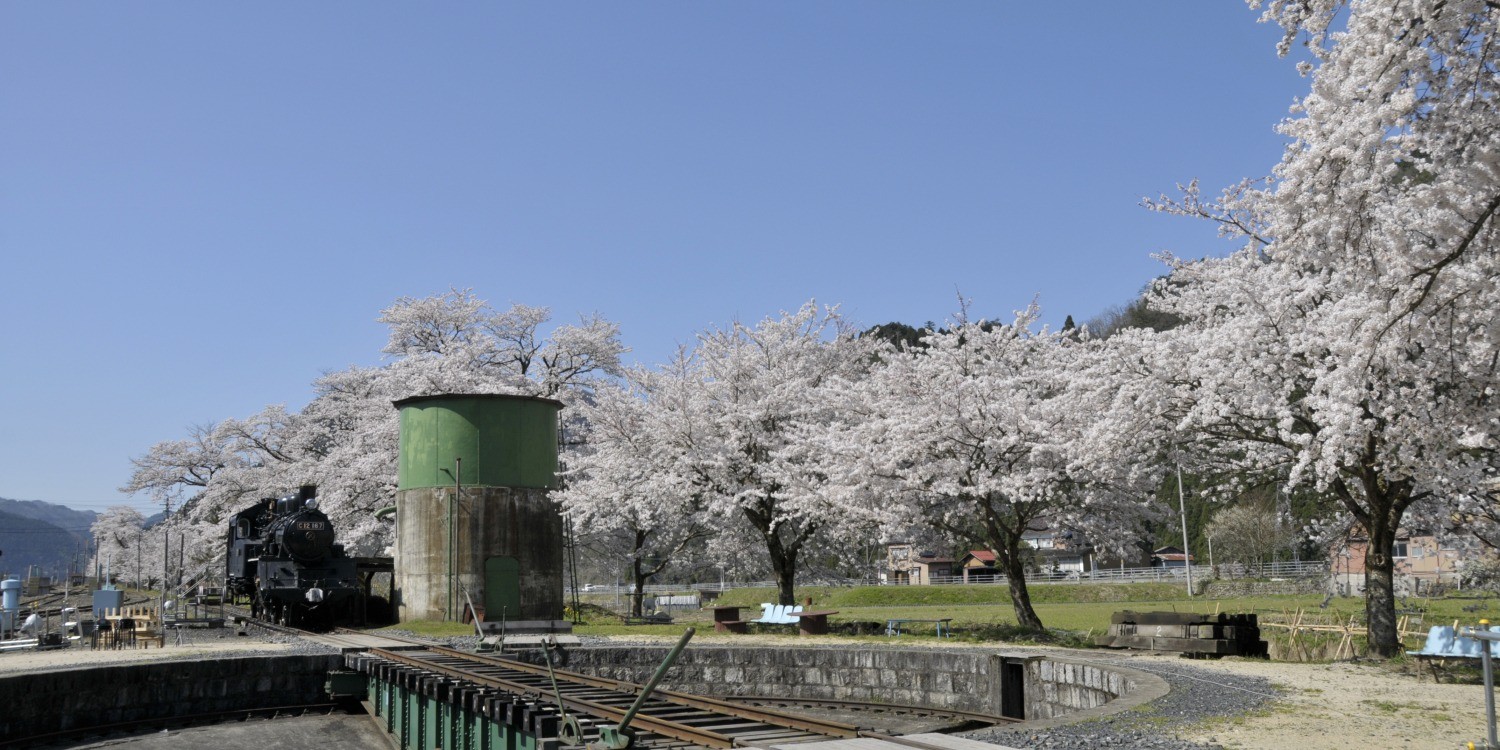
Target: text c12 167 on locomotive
[[282, 559]]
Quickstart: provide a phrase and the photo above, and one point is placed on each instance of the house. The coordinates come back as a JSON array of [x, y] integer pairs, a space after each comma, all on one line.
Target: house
[[1171, 557], [1419, 558], [905, 564], [978, 566], [1054, 551], [1057, 550]]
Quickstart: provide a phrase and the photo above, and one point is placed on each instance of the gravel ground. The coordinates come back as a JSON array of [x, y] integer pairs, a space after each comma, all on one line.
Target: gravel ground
[[1197, 696]]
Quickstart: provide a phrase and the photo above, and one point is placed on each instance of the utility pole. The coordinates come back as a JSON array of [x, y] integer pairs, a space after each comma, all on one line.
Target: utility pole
[[1187, 557], [166, 555]]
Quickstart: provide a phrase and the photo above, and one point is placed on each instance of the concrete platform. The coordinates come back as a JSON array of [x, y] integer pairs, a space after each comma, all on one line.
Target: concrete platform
[[908, 742]]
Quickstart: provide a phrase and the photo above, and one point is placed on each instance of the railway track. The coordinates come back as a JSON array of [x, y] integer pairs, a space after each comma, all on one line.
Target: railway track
[[578, 705]]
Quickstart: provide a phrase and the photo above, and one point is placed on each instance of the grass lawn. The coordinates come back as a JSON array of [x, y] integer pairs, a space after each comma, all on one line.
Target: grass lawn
[[985, 612]]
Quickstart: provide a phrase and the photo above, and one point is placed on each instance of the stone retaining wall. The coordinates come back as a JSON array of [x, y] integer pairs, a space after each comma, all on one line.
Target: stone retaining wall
[[968, 680], [44, 703], [1059, 688]]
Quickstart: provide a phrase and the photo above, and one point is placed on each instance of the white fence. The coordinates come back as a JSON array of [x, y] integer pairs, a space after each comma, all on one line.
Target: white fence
[[1303, 569]]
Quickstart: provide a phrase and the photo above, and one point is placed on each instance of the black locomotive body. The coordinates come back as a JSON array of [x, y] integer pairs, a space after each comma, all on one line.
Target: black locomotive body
[[283, 560]]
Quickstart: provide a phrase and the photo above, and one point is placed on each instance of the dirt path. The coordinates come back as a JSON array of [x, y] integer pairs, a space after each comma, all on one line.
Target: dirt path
[[1351, 706]]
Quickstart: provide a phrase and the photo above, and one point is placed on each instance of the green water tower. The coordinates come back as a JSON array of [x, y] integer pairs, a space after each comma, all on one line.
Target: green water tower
[[476, 532]]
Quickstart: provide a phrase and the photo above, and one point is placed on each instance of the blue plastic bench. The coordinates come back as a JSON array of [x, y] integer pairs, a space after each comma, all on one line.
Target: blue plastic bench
[[778, 614], [1444, 643]]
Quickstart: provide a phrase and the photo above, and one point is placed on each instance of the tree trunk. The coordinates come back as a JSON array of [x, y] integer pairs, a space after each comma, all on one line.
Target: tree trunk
[[639, 593], [1380, 590], [782, 553], [784, 563], [1015, 576], [1384, 504]]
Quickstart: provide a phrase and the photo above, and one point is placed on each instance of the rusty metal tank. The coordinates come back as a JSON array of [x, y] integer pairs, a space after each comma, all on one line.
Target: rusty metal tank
[[474, 521]]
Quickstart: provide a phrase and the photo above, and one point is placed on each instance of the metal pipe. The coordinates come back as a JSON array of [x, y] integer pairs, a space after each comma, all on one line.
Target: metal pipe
[[458, 488], [1489, 693], [1483, 634], [661, 671]]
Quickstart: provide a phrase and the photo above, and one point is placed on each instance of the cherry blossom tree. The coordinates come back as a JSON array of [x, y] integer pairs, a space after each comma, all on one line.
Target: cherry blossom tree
[[506, 348], [345, 439], [175, 468], [117, 539], [1350, 344], [619, 483], [978, 432], [729, 424]]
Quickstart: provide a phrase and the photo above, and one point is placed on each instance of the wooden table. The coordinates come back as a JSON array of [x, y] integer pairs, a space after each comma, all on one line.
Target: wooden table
[[813, 623], [727, 620]]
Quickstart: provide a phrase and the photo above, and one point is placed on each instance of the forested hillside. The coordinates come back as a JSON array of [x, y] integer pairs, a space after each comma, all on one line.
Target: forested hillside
[[43, 534]]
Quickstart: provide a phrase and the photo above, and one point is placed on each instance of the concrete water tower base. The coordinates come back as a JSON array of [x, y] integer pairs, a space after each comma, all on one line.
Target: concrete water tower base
[[502, 546]]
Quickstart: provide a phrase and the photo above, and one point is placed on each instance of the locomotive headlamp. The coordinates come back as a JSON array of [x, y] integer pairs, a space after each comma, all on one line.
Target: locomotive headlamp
[[312, 503]]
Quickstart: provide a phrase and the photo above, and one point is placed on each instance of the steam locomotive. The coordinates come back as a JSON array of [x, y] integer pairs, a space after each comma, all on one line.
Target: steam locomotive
[[282, 559]]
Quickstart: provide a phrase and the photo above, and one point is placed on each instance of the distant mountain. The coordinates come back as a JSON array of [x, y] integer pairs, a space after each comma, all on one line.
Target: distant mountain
[[57, 515], [52, 537]]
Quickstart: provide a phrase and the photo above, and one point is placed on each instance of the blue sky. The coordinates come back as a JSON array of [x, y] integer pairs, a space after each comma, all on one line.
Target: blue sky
[[204, 206]]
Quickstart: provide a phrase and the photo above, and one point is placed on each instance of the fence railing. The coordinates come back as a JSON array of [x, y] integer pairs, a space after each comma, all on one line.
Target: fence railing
[[1291, 569]]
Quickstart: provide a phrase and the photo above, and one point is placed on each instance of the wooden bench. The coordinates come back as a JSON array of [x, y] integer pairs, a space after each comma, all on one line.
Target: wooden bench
[[145, 636]]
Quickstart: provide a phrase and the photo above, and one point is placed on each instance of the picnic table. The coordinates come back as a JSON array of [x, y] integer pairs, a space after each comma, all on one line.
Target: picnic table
[[727, 619], [813, 623], [893, 626]]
